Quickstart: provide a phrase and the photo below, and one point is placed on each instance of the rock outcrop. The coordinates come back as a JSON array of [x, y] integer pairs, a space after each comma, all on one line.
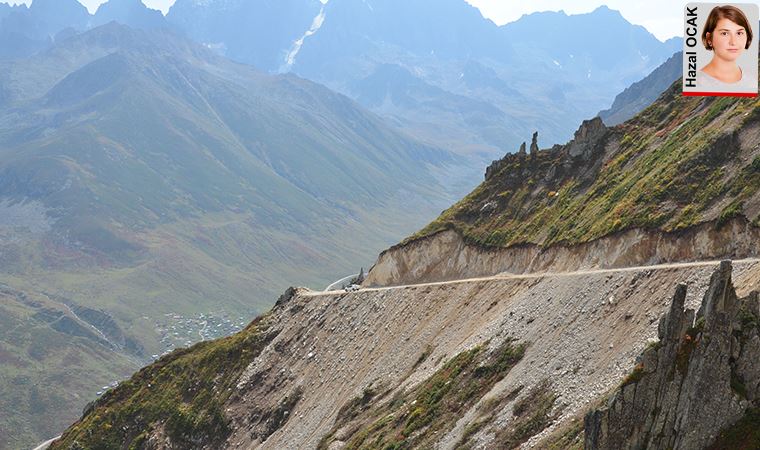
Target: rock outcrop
[[701, 378], [588, 140]]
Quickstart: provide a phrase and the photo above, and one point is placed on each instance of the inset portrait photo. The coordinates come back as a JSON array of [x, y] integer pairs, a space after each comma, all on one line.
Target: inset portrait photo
[[720, 49]]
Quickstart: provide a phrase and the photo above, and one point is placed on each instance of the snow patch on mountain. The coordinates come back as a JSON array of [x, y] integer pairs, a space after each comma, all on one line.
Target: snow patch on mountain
[[316, 24]]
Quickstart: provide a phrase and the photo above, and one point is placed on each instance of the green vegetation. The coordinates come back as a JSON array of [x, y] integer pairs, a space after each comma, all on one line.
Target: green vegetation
[[45, 371], [182, 392], [418, 418], [568, 437], [532, 414], [668, 169], [688, 344], [634, 377], [357, 405]]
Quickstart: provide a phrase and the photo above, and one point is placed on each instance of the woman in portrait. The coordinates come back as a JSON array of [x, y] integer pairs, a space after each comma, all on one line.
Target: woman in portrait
[[727, 33]]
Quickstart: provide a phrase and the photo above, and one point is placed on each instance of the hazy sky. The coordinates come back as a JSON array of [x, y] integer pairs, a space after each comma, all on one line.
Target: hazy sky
[[665, 23]]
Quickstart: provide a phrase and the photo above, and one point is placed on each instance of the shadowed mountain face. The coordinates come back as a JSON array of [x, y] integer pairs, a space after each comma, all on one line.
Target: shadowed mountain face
[[457, 60], [642, 93], [25, 31], [145, 178], [256, 32]]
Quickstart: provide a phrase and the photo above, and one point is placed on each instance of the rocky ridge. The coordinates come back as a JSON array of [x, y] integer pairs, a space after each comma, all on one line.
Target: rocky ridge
[[690, 387]]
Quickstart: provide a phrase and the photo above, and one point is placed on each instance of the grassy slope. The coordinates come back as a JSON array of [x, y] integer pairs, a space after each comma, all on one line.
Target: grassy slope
[[45, 371], [182, 393], [674, 165]]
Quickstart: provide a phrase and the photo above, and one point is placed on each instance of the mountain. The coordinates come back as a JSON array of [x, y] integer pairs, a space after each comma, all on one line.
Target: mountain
[[470, 67], [673, 173], [409, 103], [55, 15], [516, 314], [162, 188], [24, 31], [52, 362], [454, 53], [687, 363], [257, 32], [129, 12], [492, 363], [642, 93]]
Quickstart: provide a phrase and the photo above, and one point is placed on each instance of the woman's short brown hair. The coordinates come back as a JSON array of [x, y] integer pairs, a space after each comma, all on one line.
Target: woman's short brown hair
[[731, 13]]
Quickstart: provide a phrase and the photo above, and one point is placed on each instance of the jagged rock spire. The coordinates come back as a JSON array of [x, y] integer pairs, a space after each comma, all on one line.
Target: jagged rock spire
[[698, 380], [534, 144]]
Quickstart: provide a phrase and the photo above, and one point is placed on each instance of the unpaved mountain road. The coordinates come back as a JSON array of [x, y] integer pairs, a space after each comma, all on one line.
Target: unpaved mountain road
[[45, 444], [507, 276]]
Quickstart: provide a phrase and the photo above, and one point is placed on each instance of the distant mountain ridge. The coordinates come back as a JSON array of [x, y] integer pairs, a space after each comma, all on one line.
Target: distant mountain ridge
[[566, 76], [644, 92], [129, 12], [28, 30]]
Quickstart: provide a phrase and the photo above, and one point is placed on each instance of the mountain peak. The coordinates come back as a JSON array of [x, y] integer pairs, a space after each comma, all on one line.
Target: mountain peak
[[57, 5], [129, 12], [605, 10]]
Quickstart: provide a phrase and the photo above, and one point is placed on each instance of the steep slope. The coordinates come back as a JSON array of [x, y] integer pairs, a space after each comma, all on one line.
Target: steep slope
[[480, 363], [256, 32], [498, 361], [213, 138], [644, 92], [146, 177], [51, 359], [679, 181]]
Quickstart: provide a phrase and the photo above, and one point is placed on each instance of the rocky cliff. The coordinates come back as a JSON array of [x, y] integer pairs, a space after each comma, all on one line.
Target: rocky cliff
[[691, 388]]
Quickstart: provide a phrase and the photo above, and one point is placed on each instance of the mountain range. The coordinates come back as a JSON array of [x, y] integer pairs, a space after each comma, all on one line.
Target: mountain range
[[145, 178], [460, 82]]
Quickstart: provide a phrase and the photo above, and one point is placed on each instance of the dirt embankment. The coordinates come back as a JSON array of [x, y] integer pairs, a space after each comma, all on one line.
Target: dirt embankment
[[446, 256], [582, 334]]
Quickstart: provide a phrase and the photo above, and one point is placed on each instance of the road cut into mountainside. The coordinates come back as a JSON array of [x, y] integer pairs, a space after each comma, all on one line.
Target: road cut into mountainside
[[582, 330]]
